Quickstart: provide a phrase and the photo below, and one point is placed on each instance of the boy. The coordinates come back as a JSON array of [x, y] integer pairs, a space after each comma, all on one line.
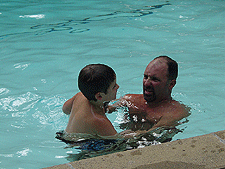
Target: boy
[[97, 83]]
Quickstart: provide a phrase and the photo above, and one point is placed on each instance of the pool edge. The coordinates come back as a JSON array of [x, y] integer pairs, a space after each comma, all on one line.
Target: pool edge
[[205, 151]]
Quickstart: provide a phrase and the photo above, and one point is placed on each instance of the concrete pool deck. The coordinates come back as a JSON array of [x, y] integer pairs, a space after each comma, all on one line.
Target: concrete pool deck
[[206, 151]]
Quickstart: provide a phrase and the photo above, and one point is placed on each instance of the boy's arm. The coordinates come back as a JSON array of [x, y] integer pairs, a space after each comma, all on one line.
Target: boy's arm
[[68, 105]]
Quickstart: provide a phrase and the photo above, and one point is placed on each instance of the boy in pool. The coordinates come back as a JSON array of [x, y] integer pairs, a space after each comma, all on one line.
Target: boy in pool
[[97, 83]]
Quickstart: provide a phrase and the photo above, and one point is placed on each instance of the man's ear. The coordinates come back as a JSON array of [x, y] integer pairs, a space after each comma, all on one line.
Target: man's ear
[[172, 84], [98, 96]]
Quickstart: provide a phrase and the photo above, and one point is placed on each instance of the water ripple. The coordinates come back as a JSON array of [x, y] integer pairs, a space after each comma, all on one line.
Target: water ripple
[[3, 91], [23, 102], [71, 25], [30, 108]]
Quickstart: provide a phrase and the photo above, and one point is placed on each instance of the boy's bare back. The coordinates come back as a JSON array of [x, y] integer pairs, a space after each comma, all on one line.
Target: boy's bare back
[[83, 118]]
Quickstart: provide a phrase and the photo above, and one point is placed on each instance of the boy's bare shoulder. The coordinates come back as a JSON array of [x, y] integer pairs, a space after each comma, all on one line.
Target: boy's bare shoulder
[[80, 105], [78, 95], [69, 104], [80, 98]]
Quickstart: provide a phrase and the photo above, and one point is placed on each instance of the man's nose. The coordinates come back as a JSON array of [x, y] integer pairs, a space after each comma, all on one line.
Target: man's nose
[[147, 82]]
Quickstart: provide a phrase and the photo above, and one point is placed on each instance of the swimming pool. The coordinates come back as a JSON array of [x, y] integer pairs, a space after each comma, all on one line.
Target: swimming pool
[[44, 44]]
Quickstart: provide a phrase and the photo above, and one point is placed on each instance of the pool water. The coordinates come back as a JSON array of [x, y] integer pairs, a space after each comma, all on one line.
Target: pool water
[[44, 45]]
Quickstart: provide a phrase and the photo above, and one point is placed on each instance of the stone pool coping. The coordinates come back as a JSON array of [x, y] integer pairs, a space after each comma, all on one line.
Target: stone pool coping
[[206, 151]]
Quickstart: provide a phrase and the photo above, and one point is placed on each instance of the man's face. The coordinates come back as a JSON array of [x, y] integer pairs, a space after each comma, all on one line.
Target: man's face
[[155, 81]]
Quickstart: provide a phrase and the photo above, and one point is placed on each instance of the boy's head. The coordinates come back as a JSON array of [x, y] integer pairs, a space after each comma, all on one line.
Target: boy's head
[[95, 78]]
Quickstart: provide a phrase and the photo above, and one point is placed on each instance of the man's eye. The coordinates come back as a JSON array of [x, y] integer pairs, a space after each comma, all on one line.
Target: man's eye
[[155, 79]]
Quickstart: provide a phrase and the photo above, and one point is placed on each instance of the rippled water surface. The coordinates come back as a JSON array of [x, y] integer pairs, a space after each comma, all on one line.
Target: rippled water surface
[[44, 45]]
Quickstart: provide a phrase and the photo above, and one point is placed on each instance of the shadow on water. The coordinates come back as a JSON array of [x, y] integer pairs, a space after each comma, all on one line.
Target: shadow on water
[[70, 24]]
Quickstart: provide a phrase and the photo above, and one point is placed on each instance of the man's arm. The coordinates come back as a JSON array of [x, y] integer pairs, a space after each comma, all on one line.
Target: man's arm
[[173, 117], [116, 103], [121, 102]]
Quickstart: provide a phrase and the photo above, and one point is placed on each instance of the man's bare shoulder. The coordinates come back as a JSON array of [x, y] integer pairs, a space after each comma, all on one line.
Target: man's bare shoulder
[[179, 109], [132, 97], [134, 102], [171, 113]]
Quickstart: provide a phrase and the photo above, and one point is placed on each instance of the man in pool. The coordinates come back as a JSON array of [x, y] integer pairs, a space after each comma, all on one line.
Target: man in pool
[[155, 107], [97, 83]]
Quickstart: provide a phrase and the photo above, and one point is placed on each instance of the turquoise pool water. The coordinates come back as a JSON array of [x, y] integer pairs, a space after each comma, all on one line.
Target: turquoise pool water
[[44, 44]]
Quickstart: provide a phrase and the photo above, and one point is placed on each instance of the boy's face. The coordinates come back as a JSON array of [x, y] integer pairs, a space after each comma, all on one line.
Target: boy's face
[[111, 92]]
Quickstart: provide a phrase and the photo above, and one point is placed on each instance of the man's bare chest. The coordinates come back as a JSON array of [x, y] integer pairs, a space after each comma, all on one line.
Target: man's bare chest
[[146, 114]]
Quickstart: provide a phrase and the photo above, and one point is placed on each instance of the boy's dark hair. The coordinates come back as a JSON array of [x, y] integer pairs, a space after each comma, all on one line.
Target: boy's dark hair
[[95, 78], [172, 67]]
